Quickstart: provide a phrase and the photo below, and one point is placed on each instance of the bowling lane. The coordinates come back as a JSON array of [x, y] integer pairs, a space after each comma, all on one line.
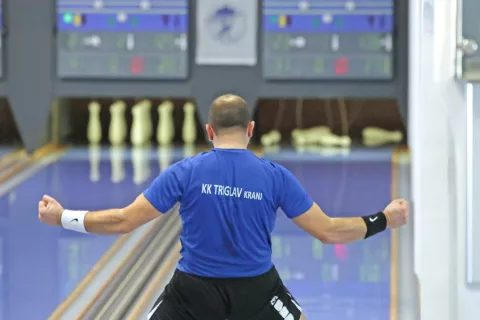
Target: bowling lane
[[40, 265], [338, 281]]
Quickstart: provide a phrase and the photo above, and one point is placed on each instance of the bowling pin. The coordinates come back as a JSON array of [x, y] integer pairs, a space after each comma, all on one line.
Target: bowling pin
[[94, 127], [138, 134], [271, 138], [333, 140], [189, 130], [309, 136], [265, 140], [141, 167], [314, 135], [276, 136], [373, 136], [165, 128], [296, 133], [95, 156], [147, 118], [298, 137], [117, 156], [171, 122], [143, 115], [319, 130], [117, 131]]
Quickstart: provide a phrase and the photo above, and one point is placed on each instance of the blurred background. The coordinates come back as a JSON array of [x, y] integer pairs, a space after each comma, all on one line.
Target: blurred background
[[363, 100]]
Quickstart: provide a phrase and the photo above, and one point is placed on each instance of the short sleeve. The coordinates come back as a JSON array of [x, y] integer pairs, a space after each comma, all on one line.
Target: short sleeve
[[167, 189], [294, 199]]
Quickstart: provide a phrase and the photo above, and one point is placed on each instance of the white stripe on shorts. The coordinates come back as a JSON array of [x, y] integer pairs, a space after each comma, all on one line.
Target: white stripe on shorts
[[153, 310], [295, 303]]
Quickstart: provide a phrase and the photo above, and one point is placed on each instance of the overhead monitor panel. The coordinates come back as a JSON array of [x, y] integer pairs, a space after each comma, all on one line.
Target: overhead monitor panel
[[334, 39], [145, 39]]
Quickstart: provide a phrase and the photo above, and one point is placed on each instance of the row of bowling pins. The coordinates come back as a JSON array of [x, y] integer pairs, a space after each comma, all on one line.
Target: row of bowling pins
[[373, 136], [322, 135], [140, 159], [141, 132], [271, 138], [317, 135]]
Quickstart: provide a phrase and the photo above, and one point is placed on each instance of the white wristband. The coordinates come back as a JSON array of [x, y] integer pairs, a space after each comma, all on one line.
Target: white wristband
[[74, 220]]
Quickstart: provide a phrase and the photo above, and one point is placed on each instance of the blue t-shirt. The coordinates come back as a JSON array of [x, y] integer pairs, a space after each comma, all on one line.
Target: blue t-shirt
[[228, 204]]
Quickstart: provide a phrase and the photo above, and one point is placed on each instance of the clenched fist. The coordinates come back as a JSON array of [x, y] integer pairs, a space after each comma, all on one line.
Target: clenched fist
[[397, 213], [50, 211]]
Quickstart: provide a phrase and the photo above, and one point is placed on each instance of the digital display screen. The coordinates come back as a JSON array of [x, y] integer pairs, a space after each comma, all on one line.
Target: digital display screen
[[317, 39], [145, 39]]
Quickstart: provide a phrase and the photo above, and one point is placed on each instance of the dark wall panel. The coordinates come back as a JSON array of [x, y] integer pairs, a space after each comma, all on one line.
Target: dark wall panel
[[9, 134], [29, 66]]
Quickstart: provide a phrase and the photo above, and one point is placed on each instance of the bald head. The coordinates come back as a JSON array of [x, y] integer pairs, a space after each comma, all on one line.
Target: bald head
[[229, 111]]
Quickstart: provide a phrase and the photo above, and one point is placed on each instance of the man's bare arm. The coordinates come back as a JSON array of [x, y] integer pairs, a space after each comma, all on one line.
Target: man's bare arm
[[118, 221], [331, 230], [345, 230]]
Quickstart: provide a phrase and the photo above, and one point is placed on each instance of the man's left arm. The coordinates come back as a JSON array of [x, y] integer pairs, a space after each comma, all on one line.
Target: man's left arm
[[165, 191], [125, 220], [112, 221]]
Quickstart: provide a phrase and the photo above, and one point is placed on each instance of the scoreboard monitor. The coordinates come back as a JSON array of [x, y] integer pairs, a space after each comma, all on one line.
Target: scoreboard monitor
[[122, 39], [336, 39]]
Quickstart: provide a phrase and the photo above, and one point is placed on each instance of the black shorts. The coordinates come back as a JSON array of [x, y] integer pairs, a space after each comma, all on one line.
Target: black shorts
[[189, 297]]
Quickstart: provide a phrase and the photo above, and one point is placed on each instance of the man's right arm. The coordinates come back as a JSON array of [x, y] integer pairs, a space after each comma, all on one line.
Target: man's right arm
[[298, 206], [331, 230], [345, 230]]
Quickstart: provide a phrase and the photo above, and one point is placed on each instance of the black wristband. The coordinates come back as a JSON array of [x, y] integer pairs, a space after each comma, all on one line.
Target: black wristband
[[376, 223]]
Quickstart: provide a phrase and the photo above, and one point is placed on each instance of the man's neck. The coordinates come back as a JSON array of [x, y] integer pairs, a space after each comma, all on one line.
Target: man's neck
[[229, 146], [230, 143], [230, 139]]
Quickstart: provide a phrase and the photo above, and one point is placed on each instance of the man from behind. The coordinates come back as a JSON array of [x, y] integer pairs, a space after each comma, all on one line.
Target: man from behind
[[228, 204]]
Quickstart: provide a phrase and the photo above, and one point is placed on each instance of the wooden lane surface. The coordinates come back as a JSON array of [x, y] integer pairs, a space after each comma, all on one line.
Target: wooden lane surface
[[30, 160]]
